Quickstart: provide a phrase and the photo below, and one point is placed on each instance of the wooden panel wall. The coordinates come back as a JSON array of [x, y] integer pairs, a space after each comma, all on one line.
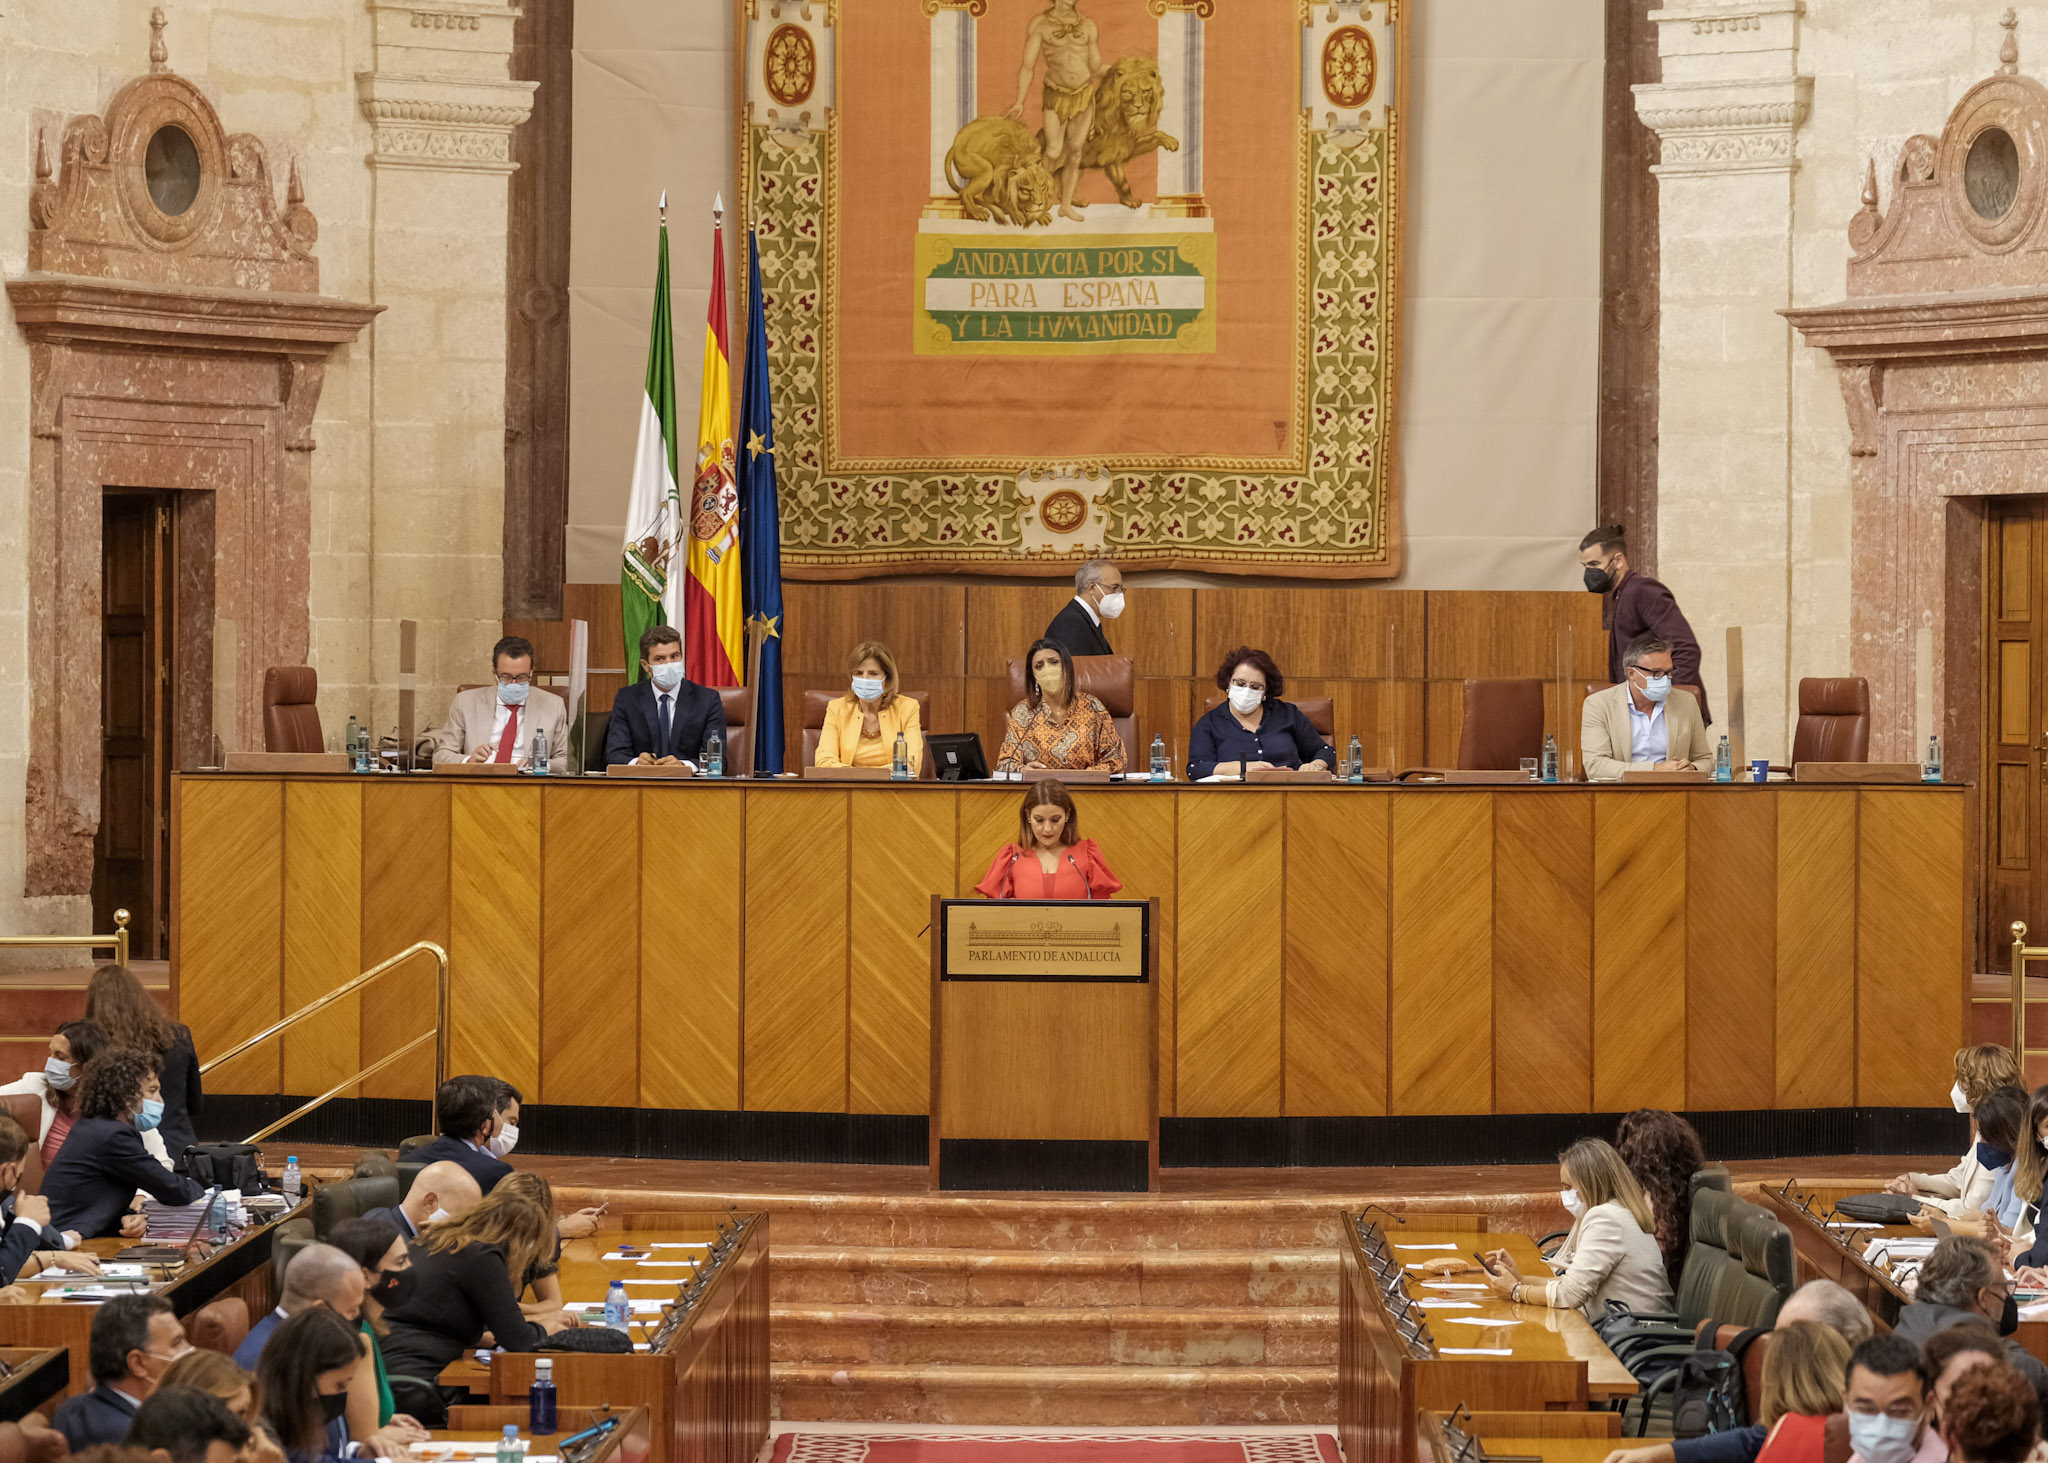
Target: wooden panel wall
[[1324, 952], [1391, 660]]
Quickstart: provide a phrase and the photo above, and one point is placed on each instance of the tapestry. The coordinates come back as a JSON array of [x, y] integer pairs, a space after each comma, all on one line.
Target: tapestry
[[1053, 279]]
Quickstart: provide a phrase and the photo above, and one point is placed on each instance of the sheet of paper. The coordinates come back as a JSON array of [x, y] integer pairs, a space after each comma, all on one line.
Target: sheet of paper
[[1446, 1245], [1474, 1351], [685, 1244], [1431, 1304], [596, 1307], [647, 1260], [1479, 1321], [668, 1264], [1454, 1285], [1854, 1224]]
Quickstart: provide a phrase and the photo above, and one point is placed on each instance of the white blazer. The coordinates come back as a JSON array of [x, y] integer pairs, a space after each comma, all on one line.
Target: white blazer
[[1607, 1256], [39, 1084]]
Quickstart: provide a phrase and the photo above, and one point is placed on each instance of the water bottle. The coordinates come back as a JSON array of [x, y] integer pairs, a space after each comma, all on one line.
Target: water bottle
[[1724, 762], [537, 763], [540, 1399], [1930, 770], [1159, 772], [1549, 757], [617, 1310], [899, 760], [510, 1448], [288, 1182], [1354, 760], [348, 738], [714, 756]]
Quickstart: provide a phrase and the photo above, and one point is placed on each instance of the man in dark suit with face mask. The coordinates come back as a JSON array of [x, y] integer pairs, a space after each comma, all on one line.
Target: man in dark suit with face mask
[[661, 714]]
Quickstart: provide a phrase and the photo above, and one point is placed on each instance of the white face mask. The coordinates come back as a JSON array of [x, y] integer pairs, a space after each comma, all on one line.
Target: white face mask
[[868, 688], [1112, 605], [1573, 1204], [1880, 1439], [1244, 700], [514, 694], [505, 1142], [439, 1216], [1955, 1096], [668, 675]]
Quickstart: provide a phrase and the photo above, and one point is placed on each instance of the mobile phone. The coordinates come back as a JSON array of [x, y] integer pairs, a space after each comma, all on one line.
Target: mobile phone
[[1482, 1262]]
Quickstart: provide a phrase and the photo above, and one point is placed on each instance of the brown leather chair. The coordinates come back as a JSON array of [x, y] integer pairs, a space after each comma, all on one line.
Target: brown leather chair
[[815, 704], [27, 1110], [1321, 712], [1110, 680], [1834, 720], [1503, 724], [219, 1325], [739, 730], [291, 720]]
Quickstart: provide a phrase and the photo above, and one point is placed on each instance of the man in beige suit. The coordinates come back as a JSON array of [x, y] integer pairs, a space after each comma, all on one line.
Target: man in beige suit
[[496, 724], [1640, 723]]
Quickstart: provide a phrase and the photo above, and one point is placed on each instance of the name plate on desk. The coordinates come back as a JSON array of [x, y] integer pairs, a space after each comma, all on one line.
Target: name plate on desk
[[1651, 774], [1487, 774], [648, 769], [288, 762], [846, 774], [1287, 774], [1856, 772], [480, 769], [1072, 776], [998, 939]]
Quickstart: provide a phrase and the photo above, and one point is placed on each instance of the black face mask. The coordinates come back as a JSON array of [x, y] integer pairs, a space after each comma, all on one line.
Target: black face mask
[[1598, 580], [333, 1405], [393, 1287]]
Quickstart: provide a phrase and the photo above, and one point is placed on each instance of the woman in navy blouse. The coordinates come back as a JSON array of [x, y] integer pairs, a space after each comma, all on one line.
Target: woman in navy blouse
[[1252, 728]]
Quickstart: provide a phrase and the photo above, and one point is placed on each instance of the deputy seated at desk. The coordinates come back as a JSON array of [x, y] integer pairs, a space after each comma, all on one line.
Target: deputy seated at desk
[[29, 1243], [861, 727], [1050, 859], [103, 1162], [496, 724], [1611, 1252], [1252, 729], [661, 715], [1639, 723], [1057, 725]]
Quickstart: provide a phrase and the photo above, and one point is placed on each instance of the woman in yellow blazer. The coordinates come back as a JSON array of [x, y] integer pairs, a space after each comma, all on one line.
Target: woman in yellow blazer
[[861, 727]]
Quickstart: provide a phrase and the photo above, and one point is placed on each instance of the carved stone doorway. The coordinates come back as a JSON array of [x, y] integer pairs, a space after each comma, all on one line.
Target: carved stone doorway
[[177, 340]]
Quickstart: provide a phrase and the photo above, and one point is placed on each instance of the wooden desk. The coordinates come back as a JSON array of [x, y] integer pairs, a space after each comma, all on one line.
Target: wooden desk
[[36, 1378], [1562, 1450], [706, 1392], [630, 1442], [240, 1269], [1555, 1359], [1324, 951]]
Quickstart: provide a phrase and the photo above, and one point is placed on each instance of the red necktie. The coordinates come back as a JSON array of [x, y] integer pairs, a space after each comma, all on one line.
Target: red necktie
[[508, 744]]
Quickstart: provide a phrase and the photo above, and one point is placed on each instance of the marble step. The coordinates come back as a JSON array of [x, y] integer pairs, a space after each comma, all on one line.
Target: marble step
[[1081, 1396], [1075, 1336], [818, 1275]]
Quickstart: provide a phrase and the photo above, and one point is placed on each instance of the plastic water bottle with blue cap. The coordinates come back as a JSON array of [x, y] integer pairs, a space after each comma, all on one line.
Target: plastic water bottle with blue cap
[[617, 1310]]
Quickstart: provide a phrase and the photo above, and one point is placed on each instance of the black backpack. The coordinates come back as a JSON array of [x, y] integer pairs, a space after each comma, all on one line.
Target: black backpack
[[1707, 1395], [227, 1165]]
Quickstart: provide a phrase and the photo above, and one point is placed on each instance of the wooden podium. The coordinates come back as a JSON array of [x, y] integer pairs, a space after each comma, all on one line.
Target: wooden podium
[[1045, 1044]]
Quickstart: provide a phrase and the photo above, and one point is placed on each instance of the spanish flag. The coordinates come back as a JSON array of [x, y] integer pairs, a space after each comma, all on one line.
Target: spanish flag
[[713, 624]]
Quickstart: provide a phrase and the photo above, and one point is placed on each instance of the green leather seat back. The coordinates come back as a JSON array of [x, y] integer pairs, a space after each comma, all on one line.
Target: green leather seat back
[[333, 1203]]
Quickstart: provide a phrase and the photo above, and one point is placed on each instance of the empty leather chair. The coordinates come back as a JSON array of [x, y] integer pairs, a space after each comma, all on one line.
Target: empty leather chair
[[292, 1236], [1503, 724], [219, 1325], [1834, 720], [291, 719], [333, 1203], [1110, 680], [815, 703], [27, 1110], [739, 730]]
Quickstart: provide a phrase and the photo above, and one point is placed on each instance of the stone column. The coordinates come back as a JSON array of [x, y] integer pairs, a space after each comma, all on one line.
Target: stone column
[[1180, 117], [442, 107], [1726, 115], [954, 104]]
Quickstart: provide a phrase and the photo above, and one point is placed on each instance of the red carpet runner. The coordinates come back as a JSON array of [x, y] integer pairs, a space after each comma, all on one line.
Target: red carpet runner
[[1052, 1447]]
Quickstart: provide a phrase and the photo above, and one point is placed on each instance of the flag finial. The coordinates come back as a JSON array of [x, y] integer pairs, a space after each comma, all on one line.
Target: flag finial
[[718, 210], [662, 207]]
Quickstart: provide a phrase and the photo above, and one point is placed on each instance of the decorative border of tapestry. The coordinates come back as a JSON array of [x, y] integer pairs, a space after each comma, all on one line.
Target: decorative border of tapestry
[[1048, 279]]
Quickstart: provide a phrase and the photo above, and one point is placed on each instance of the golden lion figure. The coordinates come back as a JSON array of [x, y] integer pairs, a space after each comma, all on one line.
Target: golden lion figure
[[1127, 105], [996, 167]]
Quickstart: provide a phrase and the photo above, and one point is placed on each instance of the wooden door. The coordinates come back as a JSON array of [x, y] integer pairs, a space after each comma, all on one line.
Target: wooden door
[[131, 853]]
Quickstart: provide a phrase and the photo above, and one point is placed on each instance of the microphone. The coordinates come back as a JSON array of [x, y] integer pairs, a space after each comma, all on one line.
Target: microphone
[[1084, 878], [1397, 1218]]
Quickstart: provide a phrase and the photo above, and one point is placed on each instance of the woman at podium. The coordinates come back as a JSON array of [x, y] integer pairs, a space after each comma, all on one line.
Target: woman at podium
[[1050, 859]]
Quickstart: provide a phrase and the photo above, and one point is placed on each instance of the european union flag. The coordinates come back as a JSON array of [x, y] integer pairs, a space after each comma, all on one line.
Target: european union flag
[[761, 525]]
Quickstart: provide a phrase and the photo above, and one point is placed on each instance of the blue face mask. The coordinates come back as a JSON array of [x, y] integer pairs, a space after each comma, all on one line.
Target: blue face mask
[[151, 1114], [59, 1075], [1656, 688]]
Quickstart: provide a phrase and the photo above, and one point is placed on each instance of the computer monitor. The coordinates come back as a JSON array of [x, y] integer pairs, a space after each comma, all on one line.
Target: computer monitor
[[957, 756]]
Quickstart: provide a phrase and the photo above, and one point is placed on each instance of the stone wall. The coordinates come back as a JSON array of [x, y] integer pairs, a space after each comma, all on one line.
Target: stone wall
[[1769, 113], [397, 116]]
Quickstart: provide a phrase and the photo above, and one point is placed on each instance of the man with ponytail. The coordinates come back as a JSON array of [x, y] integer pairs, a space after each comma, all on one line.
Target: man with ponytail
[[1638, 605]]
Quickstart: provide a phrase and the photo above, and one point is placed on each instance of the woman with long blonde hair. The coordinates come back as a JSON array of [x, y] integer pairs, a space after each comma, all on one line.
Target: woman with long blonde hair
[[468, 1273], [1980, 1070], [541, 1296], [1611, 1252]]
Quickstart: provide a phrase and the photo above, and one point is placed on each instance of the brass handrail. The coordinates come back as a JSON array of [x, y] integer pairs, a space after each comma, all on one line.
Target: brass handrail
[[439, 1033], [117, 941], [2022, 952]]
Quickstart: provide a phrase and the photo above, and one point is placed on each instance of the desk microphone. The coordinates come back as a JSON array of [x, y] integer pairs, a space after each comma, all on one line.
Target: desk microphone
[[1084, 878]]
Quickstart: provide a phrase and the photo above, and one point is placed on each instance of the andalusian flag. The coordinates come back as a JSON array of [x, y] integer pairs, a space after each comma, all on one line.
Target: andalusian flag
[[713, 625], [650, 583]]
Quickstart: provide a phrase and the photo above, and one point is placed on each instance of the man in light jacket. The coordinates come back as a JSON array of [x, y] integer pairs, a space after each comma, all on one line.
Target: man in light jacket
[[497, 723], [1641, 723]]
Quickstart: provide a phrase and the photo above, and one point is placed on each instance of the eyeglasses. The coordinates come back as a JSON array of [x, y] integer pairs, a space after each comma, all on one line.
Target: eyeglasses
[[525, 680]]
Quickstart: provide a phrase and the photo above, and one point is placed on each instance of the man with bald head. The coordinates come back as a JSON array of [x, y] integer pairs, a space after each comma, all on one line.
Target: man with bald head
[[441, 1191], [318, 1275]]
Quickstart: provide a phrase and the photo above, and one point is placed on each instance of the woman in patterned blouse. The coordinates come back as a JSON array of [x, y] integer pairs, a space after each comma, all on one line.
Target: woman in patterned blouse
[[1058, 725]]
